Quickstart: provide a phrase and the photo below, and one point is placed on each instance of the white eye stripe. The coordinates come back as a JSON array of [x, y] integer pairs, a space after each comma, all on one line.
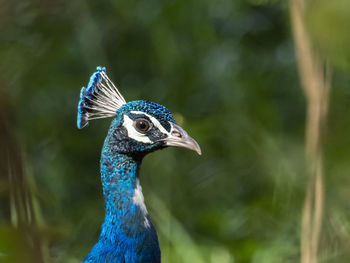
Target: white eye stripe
[[137, 136], [155, 122], [132, 132]]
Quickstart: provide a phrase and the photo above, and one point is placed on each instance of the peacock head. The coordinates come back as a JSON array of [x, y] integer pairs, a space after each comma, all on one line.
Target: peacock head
[[139, 127]]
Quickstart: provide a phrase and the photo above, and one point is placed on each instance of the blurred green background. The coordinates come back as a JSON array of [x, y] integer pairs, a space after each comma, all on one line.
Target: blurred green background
[[228, 71]]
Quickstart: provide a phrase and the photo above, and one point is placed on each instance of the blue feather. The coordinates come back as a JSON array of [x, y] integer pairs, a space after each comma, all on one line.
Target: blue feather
[[124, 236], [82, 118], [87, 96]]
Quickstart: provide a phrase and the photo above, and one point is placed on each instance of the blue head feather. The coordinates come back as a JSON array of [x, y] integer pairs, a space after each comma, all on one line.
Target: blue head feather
[[86, 95], [99, 100], [82, 118], [95, 79], [118, 136]]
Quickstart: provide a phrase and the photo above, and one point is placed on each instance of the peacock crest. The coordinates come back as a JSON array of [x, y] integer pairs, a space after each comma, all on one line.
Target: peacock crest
[[100, 99]]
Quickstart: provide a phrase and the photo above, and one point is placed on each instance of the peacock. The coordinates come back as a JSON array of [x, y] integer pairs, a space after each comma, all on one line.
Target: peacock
[[138, 128]]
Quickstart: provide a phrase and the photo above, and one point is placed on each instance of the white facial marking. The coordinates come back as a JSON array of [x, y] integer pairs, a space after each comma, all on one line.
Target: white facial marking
[[137, 136], [132, 132], [155, 122], [139, 201]]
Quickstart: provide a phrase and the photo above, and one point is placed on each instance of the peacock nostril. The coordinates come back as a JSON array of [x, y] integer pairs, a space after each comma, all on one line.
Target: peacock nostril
[[176, 134]]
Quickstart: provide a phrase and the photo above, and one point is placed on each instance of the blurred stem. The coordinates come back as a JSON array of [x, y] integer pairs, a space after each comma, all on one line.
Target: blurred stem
[[21, 199], [315, 81]]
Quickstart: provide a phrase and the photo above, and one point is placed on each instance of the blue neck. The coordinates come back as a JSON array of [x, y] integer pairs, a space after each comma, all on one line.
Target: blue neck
[[120, 173], [127, 233]]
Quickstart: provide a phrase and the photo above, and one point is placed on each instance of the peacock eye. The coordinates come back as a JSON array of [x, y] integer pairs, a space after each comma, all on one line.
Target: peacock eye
[[142, 125]]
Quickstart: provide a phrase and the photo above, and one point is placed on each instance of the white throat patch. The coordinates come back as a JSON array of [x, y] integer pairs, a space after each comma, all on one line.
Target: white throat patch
[[139, 201]]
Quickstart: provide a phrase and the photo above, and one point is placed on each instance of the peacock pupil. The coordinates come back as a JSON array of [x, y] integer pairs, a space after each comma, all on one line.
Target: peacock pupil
[[142, 125]]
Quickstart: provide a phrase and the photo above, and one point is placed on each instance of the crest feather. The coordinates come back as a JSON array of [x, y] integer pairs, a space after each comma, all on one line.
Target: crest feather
[[101, 99]]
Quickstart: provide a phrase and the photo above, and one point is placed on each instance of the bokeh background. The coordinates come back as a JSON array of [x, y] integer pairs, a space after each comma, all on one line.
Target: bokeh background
[[228, 71]]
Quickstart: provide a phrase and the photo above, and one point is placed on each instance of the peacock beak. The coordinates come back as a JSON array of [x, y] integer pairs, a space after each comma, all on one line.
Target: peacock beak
[[179, 137]]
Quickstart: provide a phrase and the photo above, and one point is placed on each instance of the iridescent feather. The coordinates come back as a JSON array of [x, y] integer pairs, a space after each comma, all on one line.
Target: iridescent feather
[[101, 99]]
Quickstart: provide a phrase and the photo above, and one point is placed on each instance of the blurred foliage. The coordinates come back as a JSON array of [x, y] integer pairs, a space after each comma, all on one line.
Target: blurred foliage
[[329, 23], [227, 69]]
